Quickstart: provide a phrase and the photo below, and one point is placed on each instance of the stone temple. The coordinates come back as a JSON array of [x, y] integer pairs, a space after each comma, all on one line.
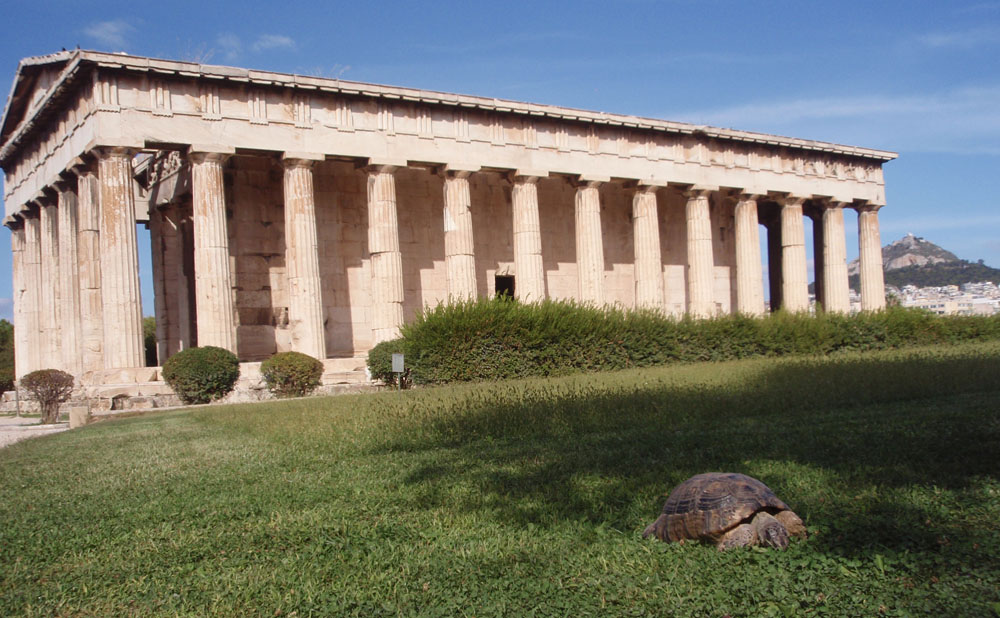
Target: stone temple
[[299, 213]]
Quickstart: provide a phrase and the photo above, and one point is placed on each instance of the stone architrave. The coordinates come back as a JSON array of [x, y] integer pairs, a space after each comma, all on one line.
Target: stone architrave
[[69, 280], [589, 243], [648, 257], [528, 265], [49, 290], [870, 246], [700, 260], [459, 252], [794, 275], [386, 260], [749, 272], [305, 295], [88, 199], [213, 282], [836, 290], [32, 262]]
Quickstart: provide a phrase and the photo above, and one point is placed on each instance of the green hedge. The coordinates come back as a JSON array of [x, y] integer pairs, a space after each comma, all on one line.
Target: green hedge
[[201, 375], [291, 374], [491, 339]]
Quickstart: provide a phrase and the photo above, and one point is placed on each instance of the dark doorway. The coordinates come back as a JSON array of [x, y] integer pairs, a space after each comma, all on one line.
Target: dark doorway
[[504, 285]]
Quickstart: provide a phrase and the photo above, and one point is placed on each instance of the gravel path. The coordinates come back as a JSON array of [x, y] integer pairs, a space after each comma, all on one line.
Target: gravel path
[[13, 429]]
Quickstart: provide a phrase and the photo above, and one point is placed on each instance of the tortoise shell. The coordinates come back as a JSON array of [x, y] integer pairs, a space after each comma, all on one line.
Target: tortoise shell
[[707, 505]]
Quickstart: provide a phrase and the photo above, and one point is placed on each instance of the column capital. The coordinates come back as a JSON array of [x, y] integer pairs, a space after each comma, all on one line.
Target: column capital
[[458, 170], [589, 181], [104, 152], [382, 165], [301, 157], [867, 207], [695, 191], [296, 163], [202, 156], [788, 199], [527, 175], [750, 197]]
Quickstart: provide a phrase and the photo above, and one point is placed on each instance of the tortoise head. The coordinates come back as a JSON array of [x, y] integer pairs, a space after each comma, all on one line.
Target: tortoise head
[[770, 531]]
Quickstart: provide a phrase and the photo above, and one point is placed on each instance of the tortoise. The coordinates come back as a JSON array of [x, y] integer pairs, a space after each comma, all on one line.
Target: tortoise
[[728, 509]]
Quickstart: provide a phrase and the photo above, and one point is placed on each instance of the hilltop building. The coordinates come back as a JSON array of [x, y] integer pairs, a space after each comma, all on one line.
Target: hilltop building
[[301, 213]]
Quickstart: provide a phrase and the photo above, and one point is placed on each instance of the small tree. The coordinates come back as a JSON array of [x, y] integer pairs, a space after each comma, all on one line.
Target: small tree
[[291, 374], [49, 387], [201, 375]]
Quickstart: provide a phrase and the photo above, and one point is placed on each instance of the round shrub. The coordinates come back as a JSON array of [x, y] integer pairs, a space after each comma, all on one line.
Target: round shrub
[[49, 387], [380, 360], [291, 374], [201, 375]]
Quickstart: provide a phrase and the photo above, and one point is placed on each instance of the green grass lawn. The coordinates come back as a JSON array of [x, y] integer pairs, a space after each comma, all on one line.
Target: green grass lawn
[[525, 498]]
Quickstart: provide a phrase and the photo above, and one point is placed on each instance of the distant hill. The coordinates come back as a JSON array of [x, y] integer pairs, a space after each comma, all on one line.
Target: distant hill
[[912, 260]]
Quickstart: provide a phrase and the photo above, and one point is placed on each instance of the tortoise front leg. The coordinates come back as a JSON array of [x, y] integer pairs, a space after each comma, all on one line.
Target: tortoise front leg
[[770, 531]]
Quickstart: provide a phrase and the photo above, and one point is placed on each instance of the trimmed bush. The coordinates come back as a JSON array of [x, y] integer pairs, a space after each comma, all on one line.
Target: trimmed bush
[[50, 388], [6, 380], [491, 339], [380, 360], [291, 374], [201, 375]]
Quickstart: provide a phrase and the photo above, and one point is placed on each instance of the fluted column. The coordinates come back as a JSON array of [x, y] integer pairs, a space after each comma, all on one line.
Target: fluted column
[[870, 245], [21, 344], [305, 295], [386, 260], [700, 260], [88, 200], [459, 254], [119, 261], [794, 275], [213, 281], [528, 267], [749, 273], [648, 257], [589, 243], [31, 297], [49, 290], [69, 280], [836, 291]]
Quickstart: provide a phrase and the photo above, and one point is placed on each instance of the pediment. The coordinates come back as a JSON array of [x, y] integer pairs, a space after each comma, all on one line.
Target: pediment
[[32, 82]]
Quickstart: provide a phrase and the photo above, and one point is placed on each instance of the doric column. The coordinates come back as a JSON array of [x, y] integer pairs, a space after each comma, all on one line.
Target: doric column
[[794, 275], [119, 261], [49, 290], [160, 286], [749, 273], [870, 245], [648, 258], [213, 281], [21, 345], [819, 241], [386, 260], [32, 261], [88, 200], [529, 285], [836, 292], [700, 261], [305, 295], [179, 333], [589, 243], [69, 280], [459, 254]]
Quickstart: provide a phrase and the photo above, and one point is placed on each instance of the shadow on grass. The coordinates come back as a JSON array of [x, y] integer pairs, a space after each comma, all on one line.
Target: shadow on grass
[[870, 452]]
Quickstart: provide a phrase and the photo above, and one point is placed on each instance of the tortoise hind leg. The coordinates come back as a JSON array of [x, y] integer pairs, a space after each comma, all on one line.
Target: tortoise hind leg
[[658, 529], [740, 536]]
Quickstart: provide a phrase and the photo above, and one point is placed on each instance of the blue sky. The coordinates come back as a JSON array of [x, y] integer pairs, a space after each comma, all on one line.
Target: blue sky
[[918, 78]]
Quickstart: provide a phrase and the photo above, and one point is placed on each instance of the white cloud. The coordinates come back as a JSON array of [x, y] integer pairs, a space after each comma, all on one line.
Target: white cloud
[[965, 39], [961, 120], [273, 41], [110, 34], [230, 45]]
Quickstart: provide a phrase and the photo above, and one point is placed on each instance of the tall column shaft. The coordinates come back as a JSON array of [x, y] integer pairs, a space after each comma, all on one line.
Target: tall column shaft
[[386, 260], [213, 280], [305, 296], [872, 273], [119, 262], [459, 253], [49, 291], [794, 275], [179, 335], [700, 261], [749, 272], [21, 345], [836, 291], [88, 201], [648, 257], [528, 267], [69, 282], [161, 288], [819, 259], [589, 244], [32, 293]]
